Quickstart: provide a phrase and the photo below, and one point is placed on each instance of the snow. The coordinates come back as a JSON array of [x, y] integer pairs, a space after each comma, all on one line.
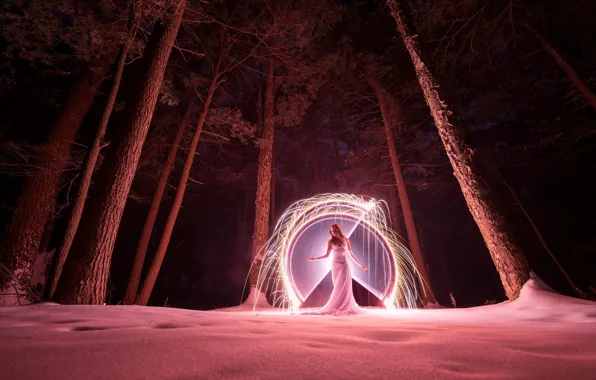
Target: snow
[[542, 335], [256, 299]]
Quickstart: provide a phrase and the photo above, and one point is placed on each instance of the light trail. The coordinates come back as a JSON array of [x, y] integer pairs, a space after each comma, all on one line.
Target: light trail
[[275, 275]]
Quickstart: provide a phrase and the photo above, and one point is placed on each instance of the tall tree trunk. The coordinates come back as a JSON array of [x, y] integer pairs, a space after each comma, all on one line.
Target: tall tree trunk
[[153, 271], [20, 245], [577, 81], [395, 214], [273, 188], [86, 272], [509, 261], [137, 267], [263, 197], [90, 162], [403, 193]]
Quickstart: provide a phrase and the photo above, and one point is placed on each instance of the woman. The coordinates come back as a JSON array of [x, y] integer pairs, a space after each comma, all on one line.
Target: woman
[[342, 300]]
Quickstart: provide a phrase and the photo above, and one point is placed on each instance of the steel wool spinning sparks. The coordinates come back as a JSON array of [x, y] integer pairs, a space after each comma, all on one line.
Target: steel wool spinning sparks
[[303, 230]]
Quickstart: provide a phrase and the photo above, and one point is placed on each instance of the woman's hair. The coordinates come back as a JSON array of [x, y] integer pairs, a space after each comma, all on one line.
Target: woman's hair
[[340, 238]]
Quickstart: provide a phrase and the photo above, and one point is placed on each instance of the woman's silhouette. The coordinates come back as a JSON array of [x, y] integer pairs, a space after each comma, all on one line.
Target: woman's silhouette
[[342, 300]]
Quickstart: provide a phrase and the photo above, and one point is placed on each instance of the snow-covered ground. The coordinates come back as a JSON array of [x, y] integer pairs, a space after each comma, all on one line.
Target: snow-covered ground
[[542, 335]]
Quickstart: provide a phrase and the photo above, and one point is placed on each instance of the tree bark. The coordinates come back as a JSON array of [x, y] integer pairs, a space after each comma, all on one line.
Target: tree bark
[[90, 162], [394, 207], [86, 272], [579, 84], [508, 259], [273, 188], [404, 199], [263, 197], [153, 271], [20, 245], [137, 267]]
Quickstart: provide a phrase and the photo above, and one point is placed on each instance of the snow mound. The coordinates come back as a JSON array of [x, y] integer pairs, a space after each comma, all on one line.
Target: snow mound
[[538, 302], [256, 300]]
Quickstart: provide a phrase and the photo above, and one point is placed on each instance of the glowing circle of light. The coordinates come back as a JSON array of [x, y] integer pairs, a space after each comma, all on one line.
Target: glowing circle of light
[[276, 275]]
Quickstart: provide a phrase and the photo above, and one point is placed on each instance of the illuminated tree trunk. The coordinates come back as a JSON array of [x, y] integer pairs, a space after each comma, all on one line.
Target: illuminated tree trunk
[[86, 272], [403, 194], [509, 261], [137, 267], [273, 186], [394, 208], [153, 271], [90, 162], [20, 246], [263, 198], [579, 84]]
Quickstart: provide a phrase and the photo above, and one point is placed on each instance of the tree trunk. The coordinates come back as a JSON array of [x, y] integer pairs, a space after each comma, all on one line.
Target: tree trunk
[[403, 194], [86, 272], [509, 261], [395, 214], [20, 245], [137, 267], [263, 197], [579, 84], [273, 188], [153, 271], [90, 162]]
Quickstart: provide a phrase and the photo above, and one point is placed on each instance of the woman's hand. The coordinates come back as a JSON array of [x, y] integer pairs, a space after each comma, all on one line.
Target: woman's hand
[[311, 258], [364, 266]]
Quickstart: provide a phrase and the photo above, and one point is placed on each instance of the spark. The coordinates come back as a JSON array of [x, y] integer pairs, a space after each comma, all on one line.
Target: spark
[[275, 276]]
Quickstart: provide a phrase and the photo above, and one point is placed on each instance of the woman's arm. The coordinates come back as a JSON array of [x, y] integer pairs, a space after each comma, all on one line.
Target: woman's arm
[[324, 256], [363, 266]]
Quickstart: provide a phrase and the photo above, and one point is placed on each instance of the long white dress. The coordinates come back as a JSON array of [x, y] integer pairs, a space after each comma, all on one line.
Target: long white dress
[[341, 301]]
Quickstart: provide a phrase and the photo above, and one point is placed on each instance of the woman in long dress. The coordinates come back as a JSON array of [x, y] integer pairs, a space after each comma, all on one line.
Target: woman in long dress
[[342, 300]]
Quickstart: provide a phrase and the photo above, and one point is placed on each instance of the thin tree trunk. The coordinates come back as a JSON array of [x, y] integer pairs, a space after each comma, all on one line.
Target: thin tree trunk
[[577, 290], [137, 267], [263, 197], [508, 259], [395, 214], [273, 188], [86, 272], [404, 199], [577, 81], [20, 245], [90, 162], [153, 271]]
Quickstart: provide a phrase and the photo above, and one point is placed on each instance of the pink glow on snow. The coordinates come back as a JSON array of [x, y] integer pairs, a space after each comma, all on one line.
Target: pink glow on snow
[[542, 335]]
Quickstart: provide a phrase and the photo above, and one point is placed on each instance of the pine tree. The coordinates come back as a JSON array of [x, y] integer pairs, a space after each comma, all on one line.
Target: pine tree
[[86, 272], [506, 254]]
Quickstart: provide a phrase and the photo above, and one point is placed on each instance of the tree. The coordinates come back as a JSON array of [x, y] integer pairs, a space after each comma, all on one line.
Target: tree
[[385, 106], [20, 246], [137, 267], [86, 272], [153, 271], [91, 161], [577, 81], [229, 51], [292, 32], [263, 197], [508, 259]]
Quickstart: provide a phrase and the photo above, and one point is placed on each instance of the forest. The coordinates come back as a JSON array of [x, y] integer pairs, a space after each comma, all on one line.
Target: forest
[[148, 147]]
